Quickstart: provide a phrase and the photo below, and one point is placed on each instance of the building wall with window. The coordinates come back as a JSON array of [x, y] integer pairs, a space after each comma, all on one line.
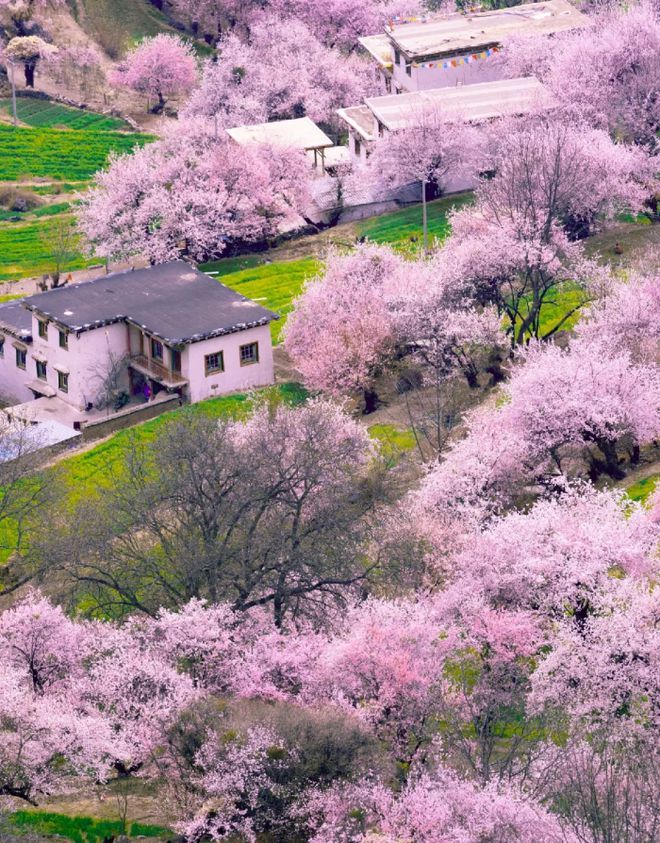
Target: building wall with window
[[199, 363], [76, 366], [12, 378]]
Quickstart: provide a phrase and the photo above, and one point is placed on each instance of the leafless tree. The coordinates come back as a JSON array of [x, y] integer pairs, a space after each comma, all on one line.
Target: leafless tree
[[196, 512], [108, 381], [61, 242]]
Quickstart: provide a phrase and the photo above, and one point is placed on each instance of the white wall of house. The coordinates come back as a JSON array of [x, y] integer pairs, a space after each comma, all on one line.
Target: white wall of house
[[87, 359], [12, 379], [236, 377], [426, 78]]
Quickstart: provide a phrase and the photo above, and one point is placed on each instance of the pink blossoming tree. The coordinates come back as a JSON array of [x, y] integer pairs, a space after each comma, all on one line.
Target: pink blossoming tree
[[161, 67], [281, 72], [190, 194]]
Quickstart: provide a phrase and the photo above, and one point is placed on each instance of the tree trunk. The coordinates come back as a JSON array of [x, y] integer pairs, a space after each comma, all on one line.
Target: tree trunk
[[370, 400], [608, 449], [29, 68], [425, 227], [471, 375], [160, 105]]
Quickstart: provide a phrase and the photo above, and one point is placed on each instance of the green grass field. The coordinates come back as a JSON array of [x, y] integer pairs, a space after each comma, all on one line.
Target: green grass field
[[81, 829], [404, 228], [55, 154], [643, 489], [558, 304], [119, 24], [25, 250], [43, 114], [273, 285]]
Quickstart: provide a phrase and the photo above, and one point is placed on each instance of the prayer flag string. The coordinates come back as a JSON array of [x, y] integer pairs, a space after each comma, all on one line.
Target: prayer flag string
[[459, 61]]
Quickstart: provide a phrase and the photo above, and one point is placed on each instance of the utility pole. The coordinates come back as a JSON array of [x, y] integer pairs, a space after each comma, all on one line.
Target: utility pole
[[13, 92], [424, 219]]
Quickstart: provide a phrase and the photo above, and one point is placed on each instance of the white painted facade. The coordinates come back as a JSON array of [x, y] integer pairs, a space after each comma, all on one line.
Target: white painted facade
[[85, 361], [226, 344], [236, 377], [408, 76], [13, 389]]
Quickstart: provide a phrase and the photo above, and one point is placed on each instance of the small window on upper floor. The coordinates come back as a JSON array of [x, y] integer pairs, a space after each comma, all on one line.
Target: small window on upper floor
[[157, 350], [21, 358], [42, 370], [397, 56], [2, 346], [64, 339], [249, 353], [62, 381], [43, 329], [409, 69]]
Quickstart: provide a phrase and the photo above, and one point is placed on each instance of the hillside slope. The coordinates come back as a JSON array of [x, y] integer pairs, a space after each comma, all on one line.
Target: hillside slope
[[116, 24]]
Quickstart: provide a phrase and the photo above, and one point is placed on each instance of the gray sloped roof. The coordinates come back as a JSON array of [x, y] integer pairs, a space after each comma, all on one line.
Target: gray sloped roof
[[173, 301], [16, 320]]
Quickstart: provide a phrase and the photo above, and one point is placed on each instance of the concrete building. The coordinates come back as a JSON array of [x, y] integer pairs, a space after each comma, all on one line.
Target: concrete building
[[420, 54], [165, 329], [475, 104]]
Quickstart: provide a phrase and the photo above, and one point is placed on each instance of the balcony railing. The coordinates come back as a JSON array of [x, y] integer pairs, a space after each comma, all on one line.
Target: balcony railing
[[156, 371]]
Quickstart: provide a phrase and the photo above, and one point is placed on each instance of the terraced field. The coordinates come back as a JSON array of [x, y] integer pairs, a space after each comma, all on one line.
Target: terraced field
[[44, 114], [55, 154], [54, 165]]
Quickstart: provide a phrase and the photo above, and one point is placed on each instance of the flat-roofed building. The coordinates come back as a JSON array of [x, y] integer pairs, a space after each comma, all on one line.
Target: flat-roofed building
[[470, 103], [460, 49], [301, 133]]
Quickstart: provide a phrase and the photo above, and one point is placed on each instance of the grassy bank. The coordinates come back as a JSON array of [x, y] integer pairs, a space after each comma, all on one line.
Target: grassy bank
[[273, 285], [56, 154], [44, 114], [82, 829]]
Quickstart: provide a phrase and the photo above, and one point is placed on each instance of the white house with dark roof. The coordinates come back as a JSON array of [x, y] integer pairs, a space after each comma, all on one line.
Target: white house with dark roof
[[438, 51], [166, 328]]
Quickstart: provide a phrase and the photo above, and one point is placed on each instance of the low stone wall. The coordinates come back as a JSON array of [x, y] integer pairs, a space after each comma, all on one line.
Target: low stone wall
[[127, 418]]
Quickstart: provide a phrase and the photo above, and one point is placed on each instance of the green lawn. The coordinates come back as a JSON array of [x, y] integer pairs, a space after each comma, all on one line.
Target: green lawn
[[273, 285], [25, 250], [44, 114], [643, 489], [84, 472], [57, 154], [404, 228], [557, 304], [392, 441], [82, 829]]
